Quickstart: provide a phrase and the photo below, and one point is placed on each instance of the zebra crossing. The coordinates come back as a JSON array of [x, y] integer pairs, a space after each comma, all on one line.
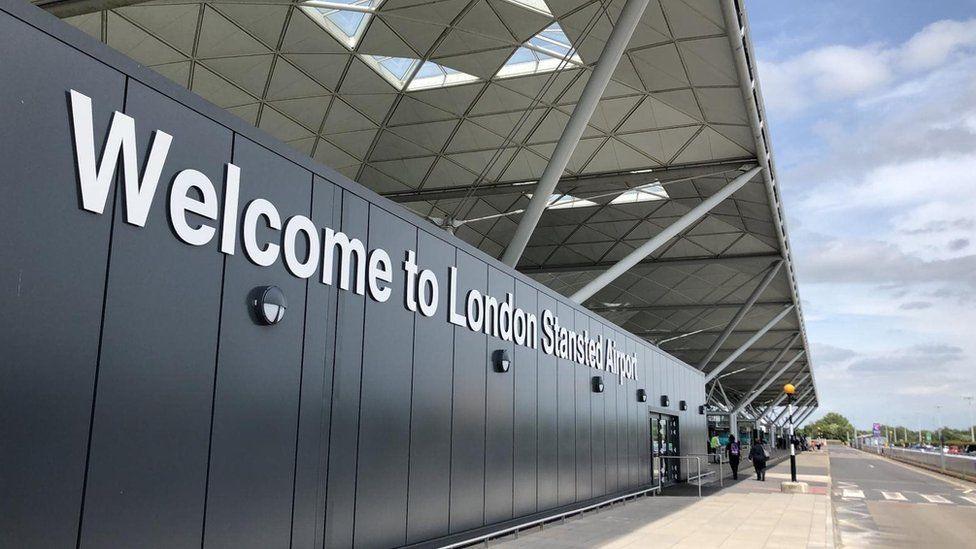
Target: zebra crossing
[[854, 493]]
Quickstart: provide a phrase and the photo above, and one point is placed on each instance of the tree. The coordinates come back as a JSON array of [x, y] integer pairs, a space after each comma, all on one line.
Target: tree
[[832, 425]]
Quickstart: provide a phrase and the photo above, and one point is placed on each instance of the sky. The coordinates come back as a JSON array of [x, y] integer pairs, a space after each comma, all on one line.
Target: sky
[[872, 116]]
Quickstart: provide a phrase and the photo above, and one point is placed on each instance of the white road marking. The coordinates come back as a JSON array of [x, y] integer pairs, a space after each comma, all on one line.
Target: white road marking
[[935, 499], [871, 466], [848, 493], [970, 499], [894, 496]]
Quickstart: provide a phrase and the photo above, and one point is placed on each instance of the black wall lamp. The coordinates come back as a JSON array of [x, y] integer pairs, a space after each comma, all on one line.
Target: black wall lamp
[[641, 395], [501, 361], [682, 405], [665, 401], [701, 410], [268, 304], [598, 386]]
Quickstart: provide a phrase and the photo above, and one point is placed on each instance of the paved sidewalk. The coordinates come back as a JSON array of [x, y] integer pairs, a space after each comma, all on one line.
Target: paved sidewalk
[[747, 513]]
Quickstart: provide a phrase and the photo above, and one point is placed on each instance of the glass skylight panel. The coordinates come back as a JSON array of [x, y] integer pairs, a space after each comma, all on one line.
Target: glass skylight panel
[[432, 75], [396, 70], [644, 193], [537, 5], [344, 19], [547, 51], [565, 201]]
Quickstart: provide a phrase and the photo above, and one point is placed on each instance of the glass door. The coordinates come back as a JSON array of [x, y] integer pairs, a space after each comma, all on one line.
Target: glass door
[[664, 442]]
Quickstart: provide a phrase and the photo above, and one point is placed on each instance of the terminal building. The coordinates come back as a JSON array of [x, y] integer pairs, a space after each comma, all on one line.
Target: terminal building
[[378, 273]]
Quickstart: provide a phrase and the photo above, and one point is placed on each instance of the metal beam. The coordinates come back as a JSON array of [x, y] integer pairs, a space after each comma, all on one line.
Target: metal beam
[[753, 394], [606, 181], [673, 230], [68, 8], [773, 364], [799, 401], [688, 307], [749, 342], [743, 311], [623, 29], [661, 262], [782, 396]]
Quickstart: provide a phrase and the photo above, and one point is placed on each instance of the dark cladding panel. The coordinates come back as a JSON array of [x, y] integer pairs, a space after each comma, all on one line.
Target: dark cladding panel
[[499, 422], [384, 421], [468, 427], [313, 420], [548, 418], [598, 415], [584, 388], [151, 430], [644, 382], [428, 505], [344, 430], [54, 258], [566, 409], [526, 411], [632, 429], [255, 420], [623, 448], [610, 409]]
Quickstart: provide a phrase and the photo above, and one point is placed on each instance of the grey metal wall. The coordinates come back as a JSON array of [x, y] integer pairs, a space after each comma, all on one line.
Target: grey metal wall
[[140, 405]]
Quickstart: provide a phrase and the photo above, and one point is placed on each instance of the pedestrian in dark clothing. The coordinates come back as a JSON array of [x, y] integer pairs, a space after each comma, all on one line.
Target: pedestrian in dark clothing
[[733, 451], [758, 456]]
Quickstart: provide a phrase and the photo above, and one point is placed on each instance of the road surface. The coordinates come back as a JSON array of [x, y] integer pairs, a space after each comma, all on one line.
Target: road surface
[[880, 503]]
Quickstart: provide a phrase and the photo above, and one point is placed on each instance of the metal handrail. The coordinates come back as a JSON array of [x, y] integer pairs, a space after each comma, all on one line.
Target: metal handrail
[[549, 518], [721, 473], [689, 458]]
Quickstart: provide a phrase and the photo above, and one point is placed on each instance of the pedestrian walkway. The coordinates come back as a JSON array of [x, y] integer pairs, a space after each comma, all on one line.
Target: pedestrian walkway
[[746, 513]]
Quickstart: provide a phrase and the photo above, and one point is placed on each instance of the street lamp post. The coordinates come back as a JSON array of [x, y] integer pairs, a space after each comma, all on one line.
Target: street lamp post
[[789, 389], [941, 438], [972, 428]]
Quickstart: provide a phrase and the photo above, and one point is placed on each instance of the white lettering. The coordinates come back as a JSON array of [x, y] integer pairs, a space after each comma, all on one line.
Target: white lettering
[[180, 202], [380, 271], [293, 227], [94, 184], [258, 208]]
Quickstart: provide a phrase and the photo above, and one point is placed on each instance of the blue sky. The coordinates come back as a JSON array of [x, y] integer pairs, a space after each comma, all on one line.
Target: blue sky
[[872, 108]]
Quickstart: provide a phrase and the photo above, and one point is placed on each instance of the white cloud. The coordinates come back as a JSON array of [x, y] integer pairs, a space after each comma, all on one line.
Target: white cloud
[[932, 45], [840, 71]]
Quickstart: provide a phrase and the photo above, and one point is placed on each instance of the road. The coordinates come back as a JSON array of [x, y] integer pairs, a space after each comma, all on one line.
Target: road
[[880, 503]]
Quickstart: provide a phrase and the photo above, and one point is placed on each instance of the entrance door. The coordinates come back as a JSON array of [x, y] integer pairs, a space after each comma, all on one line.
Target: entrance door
[[664, 442]]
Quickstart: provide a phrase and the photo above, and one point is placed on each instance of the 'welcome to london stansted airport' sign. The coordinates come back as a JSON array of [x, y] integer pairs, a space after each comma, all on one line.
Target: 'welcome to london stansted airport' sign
[[193, 192]]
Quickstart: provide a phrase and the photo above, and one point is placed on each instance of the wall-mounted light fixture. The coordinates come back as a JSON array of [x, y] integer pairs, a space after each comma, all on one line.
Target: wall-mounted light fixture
[[641, 395], [682, 405], [701, 410], [665, 401], [598, 386], [269, 304], [501, 361]]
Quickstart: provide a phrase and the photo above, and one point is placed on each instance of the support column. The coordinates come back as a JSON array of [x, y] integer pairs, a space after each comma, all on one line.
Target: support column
[[620, 36], [756, 293], [647, 248], [749, 343]]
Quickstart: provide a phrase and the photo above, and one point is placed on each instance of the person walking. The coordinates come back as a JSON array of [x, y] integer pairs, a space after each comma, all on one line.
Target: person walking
[[733, 450], [758, 454]]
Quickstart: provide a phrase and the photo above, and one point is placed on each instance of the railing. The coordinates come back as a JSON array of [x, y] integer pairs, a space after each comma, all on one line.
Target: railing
[[721, 461], [549, 518], [689, 458], [951, 464]]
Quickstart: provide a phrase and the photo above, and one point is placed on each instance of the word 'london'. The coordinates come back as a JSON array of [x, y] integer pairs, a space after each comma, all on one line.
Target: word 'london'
[[300, 247]]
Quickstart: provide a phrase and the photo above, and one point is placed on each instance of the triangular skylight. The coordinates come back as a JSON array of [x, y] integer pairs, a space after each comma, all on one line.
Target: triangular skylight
[[396, 70], [346, 20], [431, 75], [565, 201], [644, 193], [536, 5], [547, 51]]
